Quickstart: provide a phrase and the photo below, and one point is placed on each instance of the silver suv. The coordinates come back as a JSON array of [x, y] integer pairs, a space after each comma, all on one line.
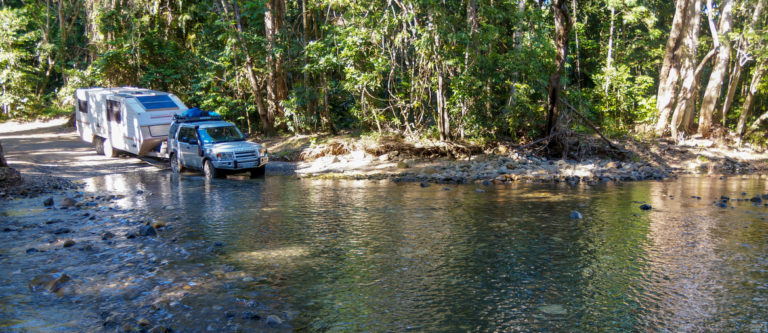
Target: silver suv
[[214, 146]]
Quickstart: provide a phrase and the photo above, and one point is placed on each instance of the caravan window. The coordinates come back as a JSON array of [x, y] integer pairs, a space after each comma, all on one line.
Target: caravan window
[[113, 111], [82, 105]]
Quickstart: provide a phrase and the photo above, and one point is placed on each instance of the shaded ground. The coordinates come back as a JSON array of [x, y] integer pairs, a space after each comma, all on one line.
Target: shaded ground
[[49, 148]]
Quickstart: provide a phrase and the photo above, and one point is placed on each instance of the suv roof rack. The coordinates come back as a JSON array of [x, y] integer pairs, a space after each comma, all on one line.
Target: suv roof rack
[[182, 119], [195, 114]]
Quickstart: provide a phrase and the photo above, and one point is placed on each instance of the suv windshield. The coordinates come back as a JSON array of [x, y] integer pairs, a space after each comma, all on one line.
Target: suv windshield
[[220, 134]]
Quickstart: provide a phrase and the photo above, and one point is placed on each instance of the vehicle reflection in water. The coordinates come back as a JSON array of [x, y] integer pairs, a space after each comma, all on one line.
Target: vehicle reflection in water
[[382, 256]]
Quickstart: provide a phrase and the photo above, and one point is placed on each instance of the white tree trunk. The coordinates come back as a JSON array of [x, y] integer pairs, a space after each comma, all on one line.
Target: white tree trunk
[[670, 69], [715, 84], [749, 99], [686, 98]]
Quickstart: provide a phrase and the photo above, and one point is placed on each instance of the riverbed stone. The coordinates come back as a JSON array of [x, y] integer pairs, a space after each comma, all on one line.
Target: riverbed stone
[[107, 235], [68, 202], [69, 243], [274, 321], [48, 202], [48, 282], [575, 215], [148, 231], [60, 231], [250, 315], [646, 207]]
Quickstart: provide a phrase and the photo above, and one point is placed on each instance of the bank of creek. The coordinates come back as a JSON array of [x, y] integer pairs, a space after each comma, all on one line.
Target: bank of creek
[[145, 250]]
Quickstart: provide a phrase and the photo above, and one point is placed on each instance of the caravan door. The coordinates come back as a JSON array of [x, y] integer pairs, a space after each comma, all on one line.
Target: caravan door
[[115, 124], [83, 116]]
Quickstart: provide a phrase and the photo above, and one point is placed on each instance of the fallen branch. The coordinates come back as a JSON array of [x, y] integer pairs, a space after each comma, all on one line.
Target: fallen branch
[[756, 124], [590, 124], [554, 134]]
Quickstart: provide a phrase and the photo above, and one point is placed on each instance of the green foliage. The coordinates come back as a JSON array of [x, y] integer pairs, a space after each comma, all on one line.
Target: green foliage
[[371, 64]]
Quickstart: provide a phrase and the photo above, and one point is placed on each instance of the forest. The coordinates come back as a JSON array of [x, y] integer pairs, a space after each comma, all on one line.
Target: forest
[[476, 70]]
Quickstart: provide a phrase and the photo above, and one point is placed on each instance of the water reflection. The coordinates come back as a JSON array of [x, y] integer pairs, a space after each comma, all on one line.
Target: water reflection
[[380, 256]]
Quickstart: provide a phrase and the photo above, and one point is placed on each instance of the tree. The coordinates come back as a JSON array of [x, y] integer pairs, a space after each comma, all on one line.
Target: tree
[[723, 48], [562, 35], [670, 69]]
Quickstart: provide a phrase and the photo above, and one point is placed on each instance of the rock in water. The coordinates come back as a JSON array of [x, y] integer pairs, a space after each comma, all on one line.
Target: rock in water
[[274, 321], [48, 202], [576, 215], [756, 199], [147, 230], [645, 207], [69, 243], [68, 202], [49, 282], [107, 235]]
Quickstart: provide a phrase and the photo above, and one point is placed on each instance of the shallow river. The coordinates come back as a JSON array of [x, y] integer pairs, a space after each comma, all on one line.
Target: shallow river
[[382, 256]]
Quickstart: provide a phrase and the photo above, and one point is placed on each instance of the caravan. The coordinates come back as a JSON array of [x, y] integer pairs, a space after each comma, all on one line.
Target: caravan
[[133, 120]]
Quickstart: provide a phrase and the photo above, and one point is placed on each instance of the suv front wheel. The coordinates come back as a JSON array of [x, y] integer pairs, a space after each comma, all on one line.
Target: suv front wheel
[[209, 171], [176, 164]]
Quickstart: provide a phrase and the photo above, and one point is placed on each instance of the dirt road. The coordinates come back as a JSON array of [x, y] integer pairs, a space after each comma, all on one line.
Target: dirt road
[[49, 148]]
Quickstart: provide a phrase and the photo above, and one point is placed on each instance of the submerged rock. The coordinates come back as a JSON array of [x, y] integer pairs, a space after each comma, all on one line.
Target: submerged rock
[[575, 215], [646, 207], [68, 202], [49, 282], [274, 321], [107, 235], [69, 243], [250, 315], [48, 202], [148, 230]]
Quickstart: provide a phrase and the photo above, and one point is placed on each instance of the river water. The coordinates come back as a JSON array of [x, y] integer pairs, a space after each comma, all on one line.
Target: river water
[[348, 255]]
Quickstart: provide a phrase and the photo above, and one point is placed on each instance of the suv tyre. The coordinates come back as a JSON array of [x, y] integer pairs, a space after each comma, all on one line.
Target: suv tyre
[[209, 171]]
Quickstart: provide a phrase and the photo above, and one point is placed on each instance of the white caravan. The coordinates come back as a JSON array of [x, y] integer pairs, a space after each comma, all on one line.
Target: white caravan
[[129, 119]]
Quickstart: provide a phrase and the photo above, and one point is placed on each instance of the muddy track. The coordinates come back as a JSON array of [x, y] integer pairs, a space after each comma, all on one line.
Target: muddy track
[[50, 148]]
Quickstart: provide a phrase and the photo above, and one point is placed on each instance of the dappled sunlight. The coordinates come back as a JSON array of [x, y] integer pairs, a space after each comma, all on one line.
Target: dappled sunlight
[[272, 256]]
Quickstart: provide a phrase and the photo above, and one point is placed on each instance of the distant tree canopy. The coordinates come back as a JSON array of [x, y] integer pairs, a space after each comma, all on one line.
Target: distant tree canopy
[[471, 69]]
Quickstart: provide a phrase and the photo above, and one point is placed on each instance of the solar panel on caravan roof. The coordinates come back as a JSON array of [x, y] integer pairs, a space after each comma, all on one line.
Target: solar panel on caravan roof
[[157, 102]]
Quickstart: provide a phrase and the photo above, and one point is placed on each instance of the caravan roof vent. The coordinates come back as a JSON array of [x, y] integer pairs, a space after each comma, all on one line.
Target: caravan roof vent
[[158, 102]]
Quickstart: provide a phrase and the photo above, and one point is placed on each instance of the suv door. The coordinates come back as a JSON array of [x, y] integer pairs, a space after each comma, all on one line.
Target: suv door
[[188, 147]]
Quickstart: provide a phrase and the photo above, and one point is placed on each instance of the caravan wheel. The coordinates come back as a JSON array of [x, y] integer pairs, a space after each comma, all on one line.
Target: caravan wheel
[[107, 148]]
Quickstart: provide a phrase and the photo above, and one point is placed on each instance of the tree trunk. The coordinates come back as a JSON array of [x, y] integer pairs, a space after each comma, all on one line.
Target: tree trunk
[[715, 84], [750, 97], [739, 63], [277, 91], [267, 124], [562, 34], [472, 26], [576, 36], [670, 69], [609, 58], [686, 97]]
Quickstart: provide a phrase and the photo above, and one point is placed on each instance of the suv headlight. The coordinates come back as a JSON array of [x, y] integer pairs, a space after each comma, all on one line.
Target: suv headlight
[[225, 156]]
